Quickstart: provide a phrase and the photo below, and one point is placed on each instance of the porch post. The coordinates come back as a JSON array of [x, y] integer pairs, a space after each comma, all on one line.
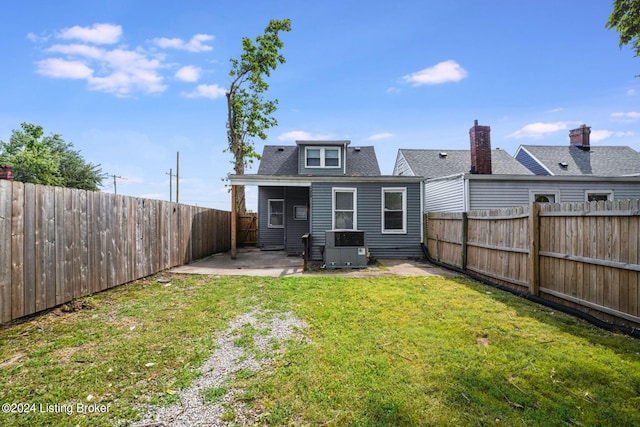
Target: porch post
[[234, 218]]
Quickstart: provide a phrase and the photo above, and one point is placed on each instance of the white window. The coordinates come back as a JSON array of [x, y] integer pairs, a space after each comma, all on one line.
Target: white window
[[394, 210], [300, 213], [597, 196], [344, 208], [322, 157], [544, 196], [276, 213]]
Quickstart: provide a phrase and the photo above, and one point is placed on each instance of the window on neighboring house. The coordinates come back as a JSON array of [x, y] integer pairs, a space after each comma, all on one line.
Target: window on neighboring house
[[597, 196], [344, 209], [276, 213], [300, 213], [544, 196], [322, 157], [394, 210]]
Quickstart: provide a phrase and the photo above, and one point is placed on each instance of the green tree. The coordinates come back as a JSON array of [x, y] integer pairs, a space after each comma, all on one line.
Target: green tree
[[48, 160], [625, 19], [249, 114]]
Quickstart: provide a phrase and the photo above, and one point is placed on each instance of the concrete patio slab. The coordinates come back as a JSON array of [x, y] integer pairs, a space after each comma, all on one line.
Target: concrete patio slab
[[255, 262]]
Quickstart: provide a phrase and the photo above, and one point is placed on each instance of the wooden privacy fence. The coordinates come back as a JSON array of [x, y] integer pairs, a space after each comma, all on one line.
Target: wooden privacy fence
[[582, 255], [57, 244]]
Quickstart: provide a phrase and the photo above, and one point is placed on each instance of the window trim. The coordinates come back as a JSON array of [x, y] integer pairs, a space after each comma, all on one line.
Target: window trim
[[543, 192], [295, 210], [403, 191], [608, 193], [323, 157], [269, 225], [354, 192]]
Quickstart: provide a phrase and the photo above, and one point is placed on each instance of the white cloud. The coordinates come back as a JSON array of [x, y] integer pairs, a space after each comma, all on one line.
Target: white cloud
[[379, 136], [63, 69], [207, 91], [599, 135], [78, 50], [98, 33], [443, 72], [196, 44], [188, 73], [121, 72], [626, 117], [538, 130], [300, 135], [631, 92], [555, 110]]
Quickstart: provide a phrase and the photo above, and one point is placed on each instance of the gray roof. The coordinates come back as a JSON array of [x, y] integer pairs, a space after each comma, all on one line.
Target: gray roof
[[283, 161], [430, 164], [599, 161], [278, 160]]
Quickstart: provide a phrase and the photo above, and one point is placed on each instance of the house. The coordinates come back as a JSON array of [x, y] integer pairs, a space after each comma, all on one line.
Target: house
[[319, 186], [579, 158], [482, 178]]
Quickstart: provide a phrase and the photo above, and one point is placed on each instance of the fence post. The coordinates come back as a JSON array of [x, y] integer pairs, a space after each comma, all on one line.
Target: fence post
[[534, 248], [464, 238]]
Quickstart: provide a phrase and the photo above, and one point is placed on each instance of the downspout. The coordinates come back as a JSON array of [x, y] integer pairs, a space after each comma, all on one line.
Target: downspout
[[344, 164], [466, 202]]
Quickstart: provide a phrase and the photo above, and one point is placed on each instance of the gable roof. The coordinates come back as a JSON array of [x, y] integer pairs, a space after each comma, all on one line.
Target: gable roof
[[281, 160], [431, 164], [598, 161]]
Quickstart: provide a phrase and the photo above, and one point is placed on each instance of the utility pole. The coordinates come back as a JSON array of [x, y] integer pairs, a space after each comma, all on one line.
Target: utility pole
[[171, 175], [177, 177], [115, 190]]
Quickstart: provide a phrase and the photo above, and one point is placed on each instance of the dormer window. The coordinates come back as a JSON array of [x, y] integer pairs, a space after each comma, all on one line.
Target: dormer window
[[322, 157]]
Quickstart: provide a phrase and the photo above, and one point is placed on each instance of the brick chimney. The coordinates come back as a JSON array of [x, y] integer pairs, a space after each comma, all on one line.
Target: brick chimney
[[5, 173], [580, 137], [480, 137]]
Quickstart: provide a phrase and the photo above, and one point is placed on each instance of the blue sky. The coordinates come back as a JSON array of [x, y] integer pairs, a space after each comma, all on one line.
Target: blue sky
[[130, 83]]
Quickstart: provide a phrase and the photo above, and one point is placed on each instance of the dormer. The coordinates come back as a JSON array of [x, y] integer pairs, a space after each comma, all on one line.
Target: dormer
[[322, 157]]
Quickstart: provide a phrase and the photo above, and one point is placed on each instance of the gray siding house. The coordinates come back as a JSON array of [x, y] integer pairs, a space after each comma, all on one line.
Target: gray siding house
[[481, 178], [319, 186]]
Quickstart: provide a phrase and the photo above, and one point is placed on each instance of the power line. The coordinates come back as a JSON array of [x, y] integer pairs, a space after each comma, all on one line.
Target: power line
[[115, 190]]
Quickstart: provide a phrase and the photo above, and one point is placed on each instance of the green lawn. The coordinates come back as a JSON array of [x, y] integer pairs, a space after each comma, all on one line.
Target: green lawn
[[383, 351]]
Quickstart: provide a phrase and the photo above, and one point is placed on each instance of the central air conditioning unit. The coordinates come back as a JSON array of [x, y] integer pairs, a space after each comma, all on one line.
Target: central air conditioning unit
[[345, 249]]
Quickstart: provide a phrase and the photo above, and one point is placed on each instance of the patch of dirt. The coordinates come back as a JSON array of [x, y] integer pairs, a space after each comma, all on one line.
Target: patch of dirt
[[76, 305]]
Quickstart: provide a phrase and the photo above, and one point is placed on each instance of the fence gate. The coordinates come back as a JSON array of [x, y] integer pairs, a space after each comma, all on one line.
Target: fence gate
[[247, 231]]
